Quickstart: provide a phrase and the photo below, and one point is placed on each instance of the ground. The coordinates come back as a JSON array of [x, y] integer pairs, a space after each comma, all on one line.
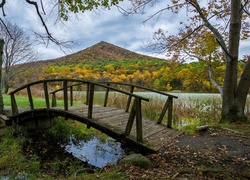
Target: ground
[[219, 153], [215, 154]]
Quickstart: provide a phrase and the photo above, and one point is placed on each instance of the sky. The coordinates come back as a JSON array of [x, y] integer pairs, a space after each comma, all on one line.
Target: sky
[[129, 32]]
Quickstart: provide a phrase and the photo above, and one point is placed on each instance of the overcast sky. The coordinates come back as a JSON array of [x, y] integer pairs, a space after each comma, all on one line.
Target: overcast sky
[[92, 27]]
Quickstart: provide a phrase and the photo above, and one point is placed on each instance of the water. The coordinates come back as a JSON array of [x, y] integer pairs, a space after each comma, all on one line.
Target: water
[[96, 152]]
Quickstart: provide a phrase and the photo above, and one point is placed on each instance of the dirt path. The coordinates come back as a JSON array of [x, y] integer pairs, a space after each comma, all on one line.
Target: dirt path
[[233, 146], [216, 154]]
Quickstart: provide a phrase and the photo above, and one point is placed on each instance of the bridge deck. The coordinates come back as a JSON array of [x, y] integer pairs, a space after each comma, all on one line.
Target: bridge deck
[[113, 121]]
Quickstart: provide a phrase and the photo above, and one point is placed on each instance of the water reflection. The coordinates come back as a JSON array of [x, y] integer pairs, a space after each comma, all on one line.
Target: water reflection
[[96, 152]]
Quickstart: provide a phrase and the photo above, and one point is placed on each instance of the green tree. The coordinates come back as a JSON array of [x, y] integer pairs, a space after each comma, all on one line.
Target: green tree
[[228, 23]]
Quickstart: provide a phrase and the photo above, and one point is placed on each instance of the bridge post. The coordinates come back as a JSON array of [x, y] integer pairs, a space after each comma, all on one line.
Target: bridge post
[[71, 95], [13, 104], [87, 94], [106, 96], [170, 112], [46, 94], [130, 120], [168, 106], [65, 94], [91, 100], [138, 119], [30, 98], [129, 98], [53, 100], [135, 113]]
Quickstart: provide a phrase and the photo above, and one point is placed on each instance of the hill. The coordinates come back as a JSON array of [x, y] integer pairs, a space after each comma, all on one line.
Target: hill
[[107, 62], [102, 51]]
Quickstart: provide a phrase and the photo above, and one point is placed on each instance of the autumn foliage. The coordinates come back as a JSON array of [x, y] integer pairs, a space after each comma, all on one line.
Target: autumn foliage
[[107, 62]]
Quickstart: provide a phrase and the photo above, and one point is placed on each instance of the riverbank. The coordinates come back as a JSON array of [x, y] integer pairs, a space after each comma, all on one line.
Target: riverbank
[[219, 153]]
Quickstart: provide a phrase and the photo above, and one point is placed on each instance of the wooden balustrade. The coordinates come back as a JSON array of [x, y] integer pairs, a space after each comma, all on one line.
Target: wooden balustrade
[[134, 114], [167, 107]]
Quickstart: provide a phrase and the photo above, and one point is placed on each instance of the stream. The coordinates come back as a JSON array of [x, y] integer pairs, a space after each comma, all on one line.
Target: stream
[[96, 152]]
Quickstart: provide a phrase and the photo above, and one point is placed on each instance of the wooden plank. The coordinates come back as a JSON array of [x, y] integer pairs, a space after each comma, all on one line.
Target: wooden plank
[[164, 136], [152, 128], [114, 119], [115, 122], [97, 113], [111, 113]]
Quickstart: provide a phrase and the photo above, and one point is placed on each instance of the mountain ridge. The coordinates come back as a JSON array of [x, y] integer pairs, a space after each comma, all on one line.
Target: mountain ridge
[[99, 51]]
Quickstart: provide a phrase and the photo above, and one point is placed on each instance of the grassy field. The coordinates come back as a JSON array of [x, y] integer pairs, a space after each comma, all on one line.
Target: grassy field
[[23, 102]]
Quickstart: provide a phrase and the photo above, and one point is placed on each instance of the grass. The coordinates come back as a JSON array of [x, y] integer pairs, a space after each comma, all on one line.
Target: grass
[[22, 101], [15, 165]]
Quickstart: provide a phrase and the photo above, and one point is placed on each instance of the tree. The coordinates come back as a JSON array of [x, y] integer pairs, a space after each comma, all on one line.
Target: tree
[[227, 22], [18, 49], [1, 62]]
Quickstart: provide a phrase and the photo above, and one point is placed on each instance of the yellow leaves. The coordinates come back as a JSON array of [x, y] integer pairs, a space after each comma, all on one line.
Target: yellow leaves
[[109, 68], [81, 76], [58, 87], [116, 79]]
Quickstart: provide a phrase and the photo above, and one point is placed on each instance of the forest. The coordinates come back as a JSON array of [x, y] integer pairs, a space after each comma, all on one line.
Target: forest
[[107, 62]]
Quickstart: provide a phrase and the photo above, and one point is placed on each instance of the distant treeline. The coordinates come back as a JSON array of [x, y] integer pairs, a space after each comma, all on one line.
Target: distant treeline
[[156, 74]]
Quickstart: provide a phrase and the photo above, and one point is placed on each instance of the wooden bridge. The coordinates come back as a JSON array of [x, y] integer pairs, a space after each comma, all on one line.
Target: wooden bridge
[[144, 135]]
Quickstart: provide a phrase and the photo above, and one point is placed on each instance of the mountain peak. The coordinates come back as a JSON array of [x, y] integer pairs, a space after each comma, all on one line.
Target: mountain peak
[[101, 51]]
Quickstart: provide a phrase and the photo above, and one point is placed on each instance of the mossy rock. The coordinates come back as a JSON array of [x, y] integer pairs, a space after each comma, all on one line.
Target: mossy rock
[[136, 160]]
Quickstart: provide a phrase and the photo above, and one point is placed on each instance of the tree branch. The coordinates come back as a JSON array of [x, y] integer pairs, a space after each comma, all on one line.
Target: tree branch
[[2, 5], [218, 36], [6, 28], [43, 23], [243, 8], [213, 81], [188, 35]]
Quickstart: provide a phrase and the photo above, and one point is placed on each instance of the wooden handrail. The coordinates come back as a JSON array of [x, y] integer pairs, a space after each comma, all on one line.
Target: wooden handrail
[[168, 105], [141, 87], [136, 110]]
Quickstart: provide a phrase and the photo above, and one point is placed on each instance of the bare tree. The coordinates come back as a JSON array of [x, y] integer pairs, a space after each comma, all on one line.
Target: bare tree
[[1, 62], [18, 49]]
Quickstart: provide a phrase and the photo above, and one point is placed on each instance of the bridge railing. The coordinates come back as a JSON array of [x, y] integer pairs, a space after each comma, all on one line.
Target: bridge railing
[[168, 106], [135, 112]]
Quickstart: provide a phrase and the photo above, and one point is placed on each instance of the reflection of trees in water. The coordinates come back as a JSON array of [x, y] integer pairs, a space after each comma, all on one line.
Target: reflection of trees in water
[[96, 152]]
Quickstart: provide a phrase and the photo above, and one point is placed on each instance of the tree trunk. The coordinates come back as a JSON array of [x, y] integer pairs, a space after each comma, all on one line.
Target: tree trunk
[[1, 63], [6, 88], [242, 92], [234, 98]]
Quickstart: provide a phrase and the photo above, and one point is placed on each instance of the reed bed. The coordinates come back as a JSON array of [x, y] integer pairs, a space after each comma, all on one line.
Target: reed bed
[[188, 112]]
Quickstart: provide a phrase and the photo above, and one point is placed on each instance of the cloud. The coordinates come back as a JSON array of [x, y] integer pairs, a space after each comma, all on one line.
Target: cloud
[[99, 25]]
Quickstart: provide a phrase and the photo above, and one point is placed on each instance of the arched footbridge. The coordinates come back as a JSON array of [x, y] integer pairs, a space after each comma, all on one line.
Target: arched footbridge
[[126, 125]]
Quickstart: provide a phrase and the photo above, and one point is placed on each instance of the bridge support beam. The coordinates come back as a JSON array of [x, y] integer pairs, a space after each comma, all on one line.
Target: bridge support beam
[[135, 113]]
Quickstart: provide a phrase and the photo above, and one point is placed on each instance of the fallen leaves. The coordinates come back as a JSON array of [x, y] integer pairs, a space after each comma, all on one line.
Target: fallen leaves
[[174, 162]]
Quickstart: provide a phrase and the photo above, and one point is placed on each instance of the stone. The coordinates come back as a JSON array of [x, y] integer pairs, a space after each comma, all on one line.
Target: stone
[[136, 160]]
